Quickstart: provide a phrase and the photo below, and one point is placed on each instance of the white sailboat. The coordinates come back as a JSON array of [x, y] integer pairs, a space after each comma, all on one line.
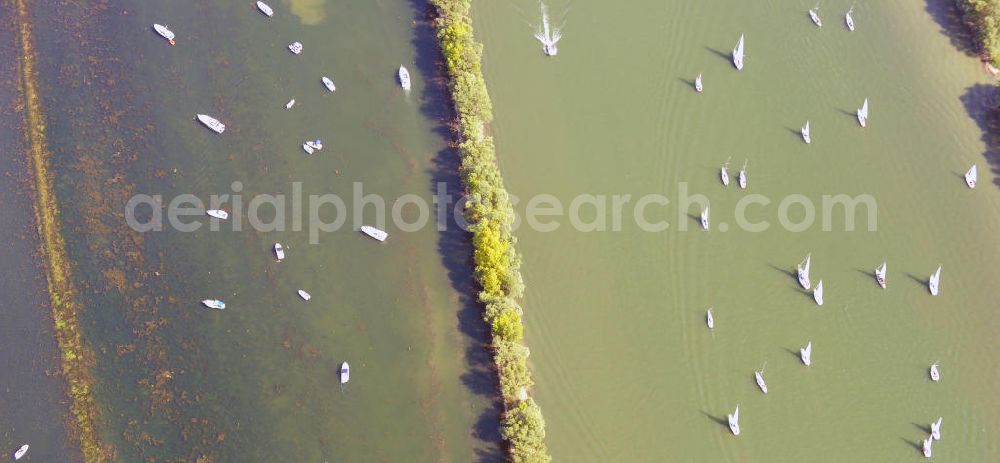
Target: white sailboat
[[743, 176], [218, 213], [971, 176], [265, 8], [849, 19], [759, 377], [734, 421], [927, 447], [290, 104], [803, 271], [805, 133], [863, 113], [806, 354], [304, 295], [21, 451], [697, 84], [404, 78], [295, 47], [818, 293], [329, 84], [932, 283], [704, 218], [935, 374], [738, 54], [936, 429], [345, 373], [374, 232], [279, 252], [724, 173], [880, 275], [211, 123], [165, 33], [709, 319], [214, 304], [814, 16]]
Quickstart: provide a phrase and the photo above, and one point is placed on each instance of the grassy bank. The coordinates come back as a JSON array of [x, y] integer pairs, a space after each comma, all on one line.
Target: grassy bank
[[983, 16], [490, 217], [76, 358]]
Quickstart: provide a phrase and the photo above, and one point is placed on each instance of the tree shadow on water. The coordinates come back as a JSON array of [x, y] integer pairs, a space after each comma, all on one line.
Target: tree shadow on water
[[454, 243], [949, 17], [980, 102]]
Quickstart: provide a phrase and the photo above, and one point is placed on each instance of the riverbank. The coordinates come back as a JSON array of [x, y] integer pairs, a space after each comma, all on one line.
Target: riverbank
[[983, 17], [490, 217], [76, 358]]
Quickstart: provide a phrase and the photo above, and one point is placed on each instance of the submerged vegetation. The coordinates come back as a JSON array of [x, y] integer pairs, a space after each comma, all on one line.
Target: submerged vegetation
[[76, 358], [490, 217], [983, 16]]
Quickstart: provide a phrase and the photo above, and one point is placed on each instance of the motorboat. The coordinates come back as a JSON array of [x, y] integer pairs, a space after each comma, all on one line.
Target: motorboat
[[759, 377], [21, 452], [373, 232], [279, 252], [329, 84], [743, 176], [165, 33], [935, 374], [290, 104], [814, 16], [211, 123], [265, 8], [316, 144], [404, 78], [304, 295], [724, 173], [803, 272], [697, 84], [214, 304], [218, 213], [295, 47], [308, 149], [345, 373], [849, 19]]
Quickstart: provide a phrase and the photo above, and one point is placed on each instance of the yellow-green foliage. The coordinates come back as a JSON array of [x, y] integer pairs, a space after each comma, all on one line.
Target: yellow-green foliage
[[984, 17], [490, 216]]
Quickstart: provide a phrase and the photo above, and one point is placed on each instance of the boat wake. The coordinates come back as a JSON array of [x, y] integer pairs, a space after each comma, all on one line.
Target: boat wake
[[546, 34]]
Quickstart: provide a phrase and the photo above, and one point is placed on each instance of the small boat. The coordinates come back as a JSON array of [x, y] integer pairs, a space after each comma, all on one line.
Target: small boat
[[805, 133], [316, 144], [290, 104], [880, 275], [304, 295], [165, 33], [935, 374], [849, 19], [218, 213], [214, 304], [546, 35], [724, 173], [734, 421], [329, 84], [863, 113], [295, 47], [20, 452], [709, 319], [814, 16], [279, 252], [743, 176], [759, 377], [704, 218], [308, 149], [971, 176], [927, 447], [697, 84], [211, 122], [345, 373], [806, 353], [932, 283], [936, 429], [265, 8], [374, 232], [404, 78], [738, 54], [803, 271], [818, 293]]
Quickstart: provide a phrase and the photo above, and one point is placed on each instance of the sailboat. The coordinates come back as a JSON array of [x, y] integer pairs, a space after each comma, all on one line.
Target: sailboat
[[759, 377], [927, 447], [725, 173], [863, 113], [743, 176], [880, 275], [734, 421], [805, 133], [806, 354], [932, 284], [814, 16], [935, 374], [971, 176], [704, 218], [345, 373], [279, 252], [849, 19], [709, 319], [818, 293], [738, 54], [290, 104], [803, 271], [936, 429], [697, 84], [20, 452]]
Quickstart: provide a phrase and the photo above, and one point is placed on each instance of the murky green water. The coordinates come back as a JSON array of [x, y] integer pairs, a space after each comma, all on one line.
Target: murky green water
[[626, 368]]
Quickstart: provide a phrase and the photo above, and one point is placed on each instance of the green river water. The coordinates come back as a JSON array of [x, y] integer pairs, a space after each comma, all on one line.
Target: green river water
[[625, 367]]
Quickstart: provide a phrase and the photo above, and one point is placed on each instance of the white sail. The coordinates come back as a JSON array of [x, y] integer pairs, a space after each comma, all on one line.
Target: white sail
[[927, 447], [709, 319], [935, 374], [863, 114], [697, 84], [818, 293], [734, 421], [806, 353], [971, 176], [704, 218], [724, 173], [880, 274], [805, 133], [290, 104], [935, 279], [803, 271], [743, 176], [738, 54], [936, 429]]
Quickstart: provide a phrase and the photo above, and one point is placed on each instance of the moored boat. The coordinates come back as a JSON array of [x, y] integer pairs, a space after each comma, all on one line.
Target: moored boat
[[709, 319], [345, 373], [295, 47], [803, 272], [211, 123], [880, 275], [20, 452], [265, 8], [290, 104], [697, 84], [316, 144], [818, 293], [279, 252], [308, 149], [214, 304], [934, 281], [165, 33], [805, 133], [814, 16], [404, 77], [329, 84], [373, 232], [849, 19], [724, 173], [738, 54], [971, 176], [734, 421], [863, 114], [759, 377], [806, 353], [935, 374], [218, 213], [743, 176], [304, 295]]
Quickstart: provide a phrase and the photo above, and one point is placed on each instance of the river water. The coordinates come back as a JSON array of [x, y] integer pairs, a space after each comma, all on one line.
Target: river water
[[626, 369]]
